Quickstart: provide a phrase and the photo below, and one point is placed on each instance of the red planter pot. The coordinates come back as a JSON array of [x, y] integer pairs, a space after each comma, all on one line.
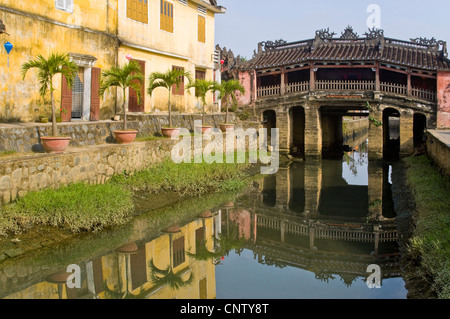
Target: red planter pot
[[225, 127], [202, 129], [125, 137], [170, 131], [56, 144]]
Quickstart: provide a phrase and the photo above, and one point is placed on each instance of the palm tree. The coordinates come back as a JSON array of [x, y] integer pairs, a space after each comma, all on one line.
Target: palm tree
[[47, 69], [167, 80], [228, 90], [202, 87], [127, 76]]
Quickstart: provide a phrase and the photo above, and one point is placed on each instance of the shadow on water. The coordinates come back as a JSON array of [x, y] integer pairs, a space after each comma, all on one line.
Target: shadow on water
[[310, 231]]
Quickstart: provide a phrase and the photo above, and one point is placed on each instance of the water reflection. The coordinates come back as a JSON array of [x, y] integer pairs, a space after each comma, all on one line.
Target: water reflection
[[330, 219]]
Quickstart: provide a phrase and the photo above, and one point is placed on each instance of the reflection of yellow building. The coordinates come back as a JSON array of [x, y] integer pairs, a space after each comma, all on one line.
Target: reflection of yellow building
[[127, 272], [160, 34]]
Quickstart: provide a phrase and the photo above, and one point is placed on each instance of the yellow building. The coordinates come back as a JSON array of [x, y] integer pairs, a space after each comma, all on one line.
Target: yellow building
[[160, 34], [84, 29], [167, 34]]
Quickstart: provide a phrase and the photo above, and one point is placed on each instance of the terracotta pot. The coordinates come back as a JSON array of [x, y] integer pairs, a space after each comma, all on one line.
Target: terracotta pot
[[172, 229], [130, 248], [59, 277], [55, 144], [203, 128], [170, 131], [125, 137], [224, 127]]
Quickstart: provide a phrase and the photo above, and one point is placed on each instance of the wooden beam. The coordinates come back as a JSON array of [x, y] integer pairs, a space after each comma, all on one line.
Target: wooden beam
[[312, 77]]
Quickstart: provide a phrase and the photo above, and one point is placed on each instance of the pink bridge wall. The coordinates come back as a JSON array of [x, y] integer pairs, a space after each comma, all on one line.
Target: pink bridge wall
[[443, 94], [250, 93]]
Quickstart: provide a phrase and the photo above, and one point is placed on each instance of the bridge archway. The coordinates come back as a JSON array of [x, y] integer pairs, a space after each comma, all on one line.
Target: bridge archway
[[419, 126], [269, 120], [297, 131], [391, 134]]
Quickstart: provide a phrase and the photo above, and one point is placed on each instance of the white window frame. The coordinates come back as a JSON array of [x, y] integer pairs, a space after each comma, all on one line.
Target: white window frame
[[64, 5]]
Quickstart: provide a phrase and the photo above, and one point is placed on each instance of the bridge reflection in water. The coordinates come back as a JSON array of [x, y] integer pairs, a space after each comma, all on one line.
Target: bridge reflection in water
[[327, 218]]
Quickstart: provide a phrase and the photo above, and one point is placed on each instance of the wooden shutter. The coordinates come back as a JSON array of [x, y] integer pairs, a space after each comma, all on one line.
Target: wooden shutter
[[178, 252], [201, 29], [200, 75], [180, 90], [66, 101], [95, 95], [133, 105], [166, 16], [138, 265], [98, 275], [138, 10]]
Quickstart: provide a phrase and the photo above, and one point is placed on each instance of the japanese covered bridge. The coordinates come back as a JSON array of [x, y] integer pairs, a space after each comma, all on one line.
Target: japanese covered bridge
[[305, 88]]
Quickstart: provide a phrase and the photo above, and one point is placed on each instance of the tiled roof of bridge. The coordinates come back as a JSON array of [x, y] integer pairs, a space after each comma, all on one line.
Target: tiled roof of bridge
[[417, 53]]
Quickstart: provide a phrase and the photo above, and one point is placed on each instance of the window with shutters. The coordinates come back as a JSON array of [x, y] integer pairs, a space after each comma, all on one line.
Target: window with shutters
[[138, 10], [201, 29], [65, 5], [178, 252], [180, 89], [200, 75], [166, 16]]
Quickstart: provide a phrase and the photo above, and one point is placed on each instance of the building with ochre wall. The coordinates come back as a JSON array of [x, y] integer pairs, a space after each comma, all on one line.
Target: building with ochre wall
[[163, 35], [86, 30], [160, 35]]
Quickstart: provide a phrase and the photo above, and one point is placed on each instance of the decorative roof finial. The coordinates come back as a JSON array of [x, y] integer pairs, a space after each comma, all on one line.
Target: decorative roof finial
[[325, 34], [374, 33], [349, 34]]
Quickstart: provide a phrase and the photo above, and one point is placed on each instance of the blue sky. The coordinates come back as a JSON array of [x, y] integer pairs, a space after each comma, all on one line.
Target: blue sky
[[248, 22]]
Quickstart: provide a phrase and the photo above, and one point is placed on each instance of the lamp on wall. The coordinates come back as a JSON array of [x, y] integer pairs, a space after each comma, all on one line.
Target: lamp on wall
[[8, 47]]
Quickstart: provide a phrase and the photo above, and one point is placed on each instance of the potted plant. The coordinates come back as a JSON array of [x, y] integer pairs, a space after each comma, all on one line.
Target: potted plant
[[226, 91], [125, 77], [47, 69], [167, 80], [202, 87]]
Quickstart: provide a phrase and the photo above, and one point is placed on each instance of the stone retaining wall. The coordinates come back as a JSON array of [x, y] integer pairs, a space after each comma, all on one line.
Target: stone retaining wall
[[25, 137], [438, 149], [91, 164], [354, 129], [19, 175]]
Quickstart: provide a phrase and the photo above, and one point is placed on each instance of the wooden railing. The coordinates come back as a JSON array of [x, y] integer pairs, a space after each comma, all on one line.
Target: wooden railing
[[345, 85], [424, 94], [321, 85], [272, 90], [393, 88], [297, 87], [318, 232]]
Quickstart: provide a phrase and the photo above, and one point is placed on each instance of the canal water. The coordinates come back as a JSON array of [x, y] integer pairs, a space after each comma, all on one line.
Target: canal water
[[313, 230]]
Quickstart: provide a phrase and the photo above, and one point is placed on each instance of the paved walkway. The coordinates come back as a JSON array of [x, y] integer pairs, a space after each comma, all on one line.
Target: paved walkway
[[442, 135]]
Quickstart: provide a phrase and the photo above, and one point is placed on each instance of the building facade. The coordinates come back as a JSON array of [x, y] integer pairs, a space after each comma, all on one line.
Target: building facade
[[97, 35], [165, 35]]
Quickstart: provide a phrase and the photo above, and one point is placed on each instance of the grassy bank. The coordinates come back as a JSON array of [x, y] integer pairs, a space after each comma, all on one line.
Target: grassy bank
[[430, 243], [81, 207]]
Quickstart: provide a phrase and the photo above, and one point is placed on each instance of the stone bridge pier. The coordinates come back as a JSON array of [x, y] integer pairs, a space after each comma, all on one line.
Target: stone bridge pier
[[313, 128]]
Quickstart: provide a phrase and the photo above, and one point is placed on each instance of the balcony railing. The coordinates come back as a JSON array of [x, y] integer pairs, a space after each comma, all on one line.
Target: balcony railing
[[345, 85], [321, 85]]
